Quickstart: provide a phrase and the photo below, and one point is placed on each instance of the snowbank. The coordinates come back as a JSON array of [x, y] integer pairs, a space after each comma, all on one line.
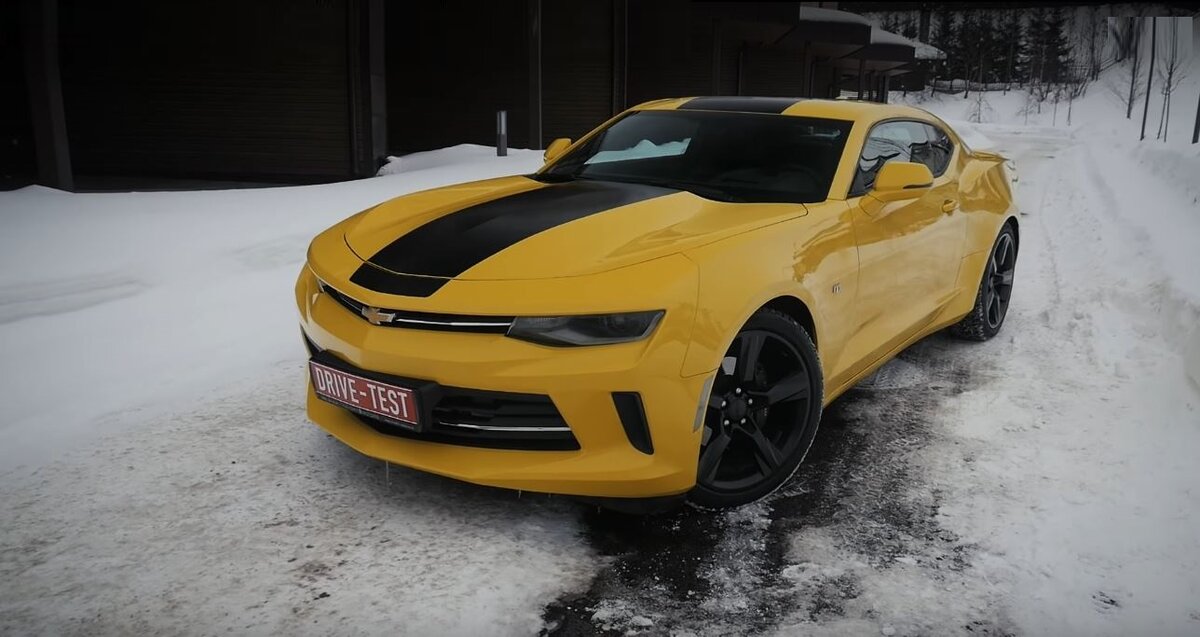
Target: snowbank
[[153, 301]]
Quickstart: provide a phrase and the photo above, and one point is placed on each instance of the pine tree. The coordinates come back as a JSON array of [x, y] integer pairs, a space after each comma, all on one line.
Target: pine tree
[[909, 28], [1010, 56], [945, 38], [1027, 58], [969, 49], [991, 58], [1058, 49], [891, 22]]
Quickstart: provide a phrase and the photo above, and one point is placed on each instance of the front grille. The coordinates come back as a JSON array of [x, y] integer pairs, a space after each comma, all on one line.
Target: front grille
[[497, 420], [422, 320]]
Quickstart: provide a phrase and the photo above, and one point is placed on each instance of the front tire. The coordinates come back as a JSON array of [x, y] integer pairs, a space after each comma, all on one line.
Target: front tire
[[762, 413], [995, 290]]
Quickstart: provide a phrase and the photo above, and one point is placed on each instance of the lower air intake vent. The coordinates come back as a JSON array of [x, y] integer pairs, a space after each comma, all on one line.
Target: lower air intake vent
[[497, 420]]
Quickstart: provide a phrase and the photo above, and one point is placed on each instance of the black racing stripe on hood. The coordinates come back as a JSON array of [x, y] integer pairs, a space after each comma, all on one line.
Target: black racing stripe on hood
[[740, 104], [454, 243], [372, 278]]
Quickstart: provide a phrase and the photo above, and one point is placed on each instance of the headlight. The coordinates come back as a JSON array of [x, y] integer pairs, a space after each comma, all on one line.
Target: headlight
[[585, 330]]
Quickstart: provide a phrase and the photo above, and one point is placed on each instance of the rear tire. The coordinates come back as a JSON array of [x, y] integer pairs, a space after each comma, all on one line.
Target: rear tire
[[995, 290], [762, 413]]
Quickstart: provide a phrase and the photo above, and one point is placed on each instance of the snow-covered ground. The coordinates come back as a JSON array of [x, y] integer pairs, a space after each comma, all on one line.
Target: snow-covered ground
[[157, 473]]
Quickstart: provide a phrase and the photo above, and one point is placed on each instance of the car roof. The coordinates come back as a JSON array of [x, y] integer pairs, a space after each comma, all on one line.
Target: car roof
[[850, 110]]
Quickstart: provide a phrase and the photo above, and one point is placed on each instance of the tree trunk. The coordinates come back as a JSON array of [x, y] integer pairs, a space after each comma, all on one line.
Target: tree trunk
[[1196, 128], [1008, 73], [1149, 73], [1162, 116], [1167, 118], [1133, 71]]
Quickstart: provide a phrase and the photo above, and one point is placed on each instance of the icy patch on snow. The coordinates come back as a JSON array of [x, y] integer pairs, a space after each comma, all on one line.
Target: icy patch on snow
[[24, 300], [738, 568], [620, 617], [895, 374]]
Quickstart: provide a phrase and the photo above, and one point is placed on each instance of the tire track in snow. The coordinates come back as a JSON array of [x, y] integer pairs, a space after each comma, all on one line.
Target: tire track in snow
[[47, 298]]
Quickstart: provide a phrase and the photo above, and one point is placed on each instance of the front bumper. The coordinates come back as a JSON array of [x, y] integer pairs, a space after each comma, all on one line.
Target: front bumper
[[579, 381]]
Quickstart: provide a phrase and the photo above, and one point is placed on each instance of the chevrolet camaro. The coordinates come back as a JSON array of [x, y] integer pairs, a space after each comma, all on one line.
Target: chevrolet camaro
[[661, 311]]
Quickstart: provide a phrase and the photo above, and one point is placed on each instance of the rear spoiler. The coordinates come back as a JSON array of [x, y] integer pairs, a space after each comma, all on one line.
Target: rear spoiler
[[988, 156], [1009, 166]]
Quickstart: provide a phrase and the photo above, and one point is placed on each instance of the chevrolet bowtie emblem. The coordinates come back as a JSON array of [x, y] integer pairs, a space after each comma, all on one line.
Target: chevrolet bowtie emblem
[[375, 316]]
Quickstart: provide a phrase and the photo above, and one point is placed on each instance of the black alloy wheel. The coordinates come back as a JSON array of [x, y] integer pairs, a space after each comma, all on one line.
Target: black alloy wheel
[[762, 413], [999, 280], [995, 291]]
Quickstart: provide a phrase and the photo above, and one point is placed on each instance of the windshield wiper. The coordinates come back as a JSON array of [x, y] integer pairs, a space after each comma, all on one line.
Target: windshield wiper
[[553, 178], [700, 190]]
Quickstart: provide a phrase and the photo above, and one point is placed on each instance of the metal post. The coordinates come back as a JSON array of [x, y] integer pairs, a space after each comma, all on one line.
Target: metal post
[[862, 72], [534, 17], [501, 133]]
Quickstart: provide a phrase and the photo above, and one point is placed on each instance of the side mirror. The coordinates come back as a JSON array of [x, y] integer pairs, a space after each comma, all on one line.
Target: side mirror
[[556, 148], [899, 180]]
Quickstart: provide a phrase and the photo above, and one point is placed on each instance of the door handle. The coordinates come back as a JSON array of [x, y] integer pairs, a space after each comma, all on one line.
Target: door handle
[[949, 206]]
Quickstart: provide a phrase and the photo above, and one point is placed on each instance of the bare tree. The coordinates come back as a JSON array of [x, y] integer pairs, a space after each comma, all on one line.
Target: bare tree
[[1134, 41], [1171, 72], [1127, 39], [1093, 37], [1196, 128], [980, 110], [1119, 82], [1150, 74], [1125, 31]]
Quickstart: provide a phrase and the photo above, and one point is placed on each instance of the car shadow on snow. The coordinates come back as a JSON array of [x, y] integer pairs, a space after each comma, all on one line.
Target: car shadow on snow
[[735, 572]]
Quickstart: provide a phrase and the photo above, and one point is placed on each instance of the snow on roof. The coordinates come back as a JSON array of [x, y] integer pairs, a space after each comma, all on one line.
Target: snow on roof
[[928, 51], [879, 36], [817, 14]]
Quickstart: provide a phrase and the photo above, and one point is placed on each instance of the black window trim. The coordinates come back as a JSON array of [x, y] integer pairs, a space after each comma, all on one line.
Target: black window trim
[[850, 193]]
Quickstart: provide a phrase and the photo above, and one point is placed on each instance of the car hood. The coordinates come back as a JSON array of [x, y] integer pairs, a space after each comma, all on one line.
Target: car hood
[[519, 228]]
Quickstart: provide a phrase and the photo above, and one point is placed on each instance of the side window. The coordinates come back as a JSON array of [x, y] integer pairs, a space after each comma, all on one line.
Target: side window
[[936, 153], [890, 141], [943, 149]]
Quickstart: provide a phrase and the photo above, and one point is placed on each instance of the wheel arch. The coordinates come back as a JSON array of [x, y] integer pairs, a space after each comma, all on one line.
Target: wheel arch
[[1016, 226], [798, 311]]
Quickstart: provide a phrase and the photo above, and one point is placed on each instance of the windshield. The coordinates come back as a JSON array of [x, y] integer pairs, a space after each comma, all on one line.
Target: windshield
[[749, 157]]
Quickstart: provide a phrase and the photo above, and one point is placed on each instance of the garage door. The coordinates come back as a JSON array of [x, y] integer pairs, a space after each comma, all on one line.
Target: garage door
[[218, 88]]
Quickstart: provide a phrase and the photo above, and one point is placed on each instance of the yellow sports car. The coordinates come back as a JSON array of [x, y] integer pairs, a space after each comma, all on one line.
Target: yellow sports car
[[663, 310]]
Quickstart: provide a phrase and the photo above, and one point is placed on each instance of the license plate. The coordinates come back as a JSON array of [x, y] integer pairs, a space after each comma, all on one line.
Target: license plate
[[366, 396]]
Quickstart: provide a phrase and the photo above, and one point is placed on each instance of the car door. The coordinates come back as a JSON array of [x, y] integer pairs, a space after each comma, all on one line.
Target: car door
[[947, 235], [909, 251]]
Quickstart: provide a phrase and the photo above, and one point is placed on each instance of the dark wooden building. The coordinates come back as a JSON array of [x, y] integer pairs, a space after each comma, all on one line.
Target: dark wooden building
[[320, 90]]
